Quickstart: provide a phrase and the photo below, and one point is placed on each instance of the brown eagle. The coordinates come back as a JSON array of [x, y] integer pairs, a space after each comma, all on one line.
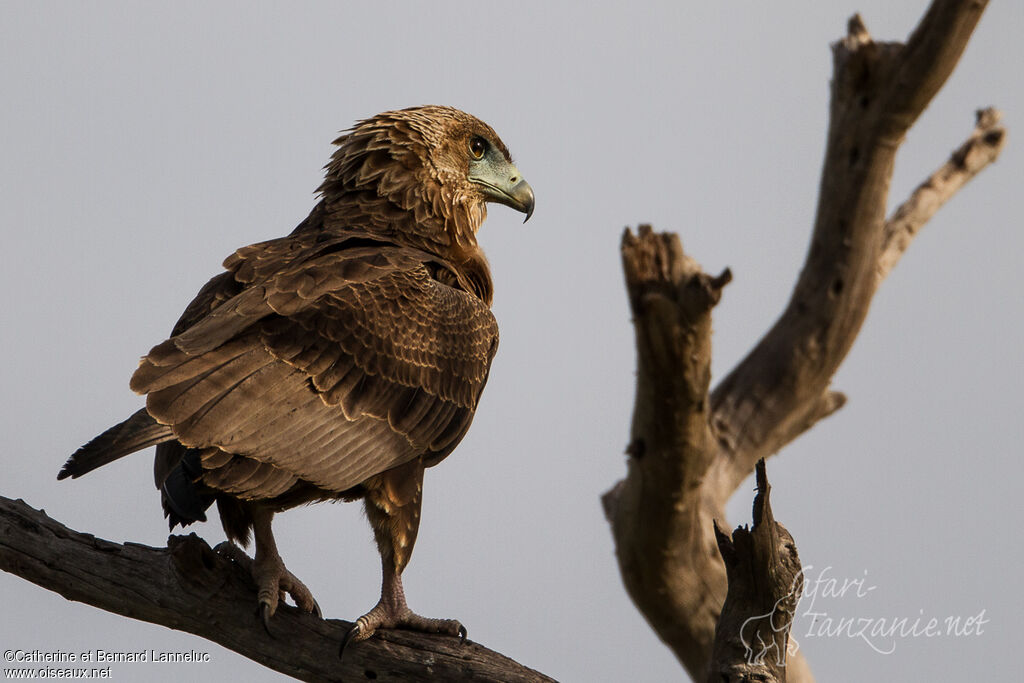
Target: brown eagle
[[337, 362]]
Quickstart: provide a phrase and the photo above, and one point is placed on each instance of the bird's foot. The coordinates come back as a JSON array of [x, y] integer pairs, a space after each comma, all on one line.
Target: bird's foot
[[273, 583], [399, 616]]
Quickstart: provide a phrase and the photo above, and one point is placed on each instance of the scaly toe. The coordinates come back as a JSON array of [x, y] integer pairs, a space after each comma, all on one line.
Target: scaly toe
[[381, 617], [301, 595], [411, 620]]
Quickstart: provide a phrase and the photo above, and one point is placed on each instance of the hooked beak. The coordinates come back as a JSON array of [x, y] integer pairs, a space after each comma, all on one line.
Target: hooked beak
[[504, 184]]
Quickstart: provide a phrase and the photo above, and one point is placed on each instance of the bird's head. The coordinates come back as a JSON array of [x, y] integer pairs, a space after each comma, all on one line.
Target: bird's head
[[437, 163]]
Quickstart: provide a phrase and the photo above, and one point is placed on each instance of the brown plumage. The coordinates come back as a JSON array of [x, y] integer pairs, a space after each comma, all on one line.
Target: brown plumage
[[336, 362]]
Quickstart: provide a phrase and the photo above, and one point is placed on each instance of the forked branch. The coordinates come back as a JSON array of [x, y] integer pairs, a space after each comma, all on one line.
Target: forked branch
[[690, 449], [977, 152]]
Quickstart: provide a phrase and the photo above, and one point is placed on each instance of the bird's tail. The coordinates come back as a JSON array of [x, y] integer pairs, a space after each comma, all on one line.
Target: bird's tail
[[137, 432]]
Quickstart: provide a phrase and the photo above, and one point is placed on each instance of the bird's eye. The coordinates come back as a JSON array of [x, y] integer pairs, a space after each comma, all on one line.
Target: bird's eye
[[477, 147]]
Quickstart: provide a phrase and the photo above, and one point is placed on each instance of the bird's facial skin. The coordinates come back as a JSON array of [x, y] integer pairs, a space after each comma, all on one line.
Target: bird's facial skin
[[496, 177]]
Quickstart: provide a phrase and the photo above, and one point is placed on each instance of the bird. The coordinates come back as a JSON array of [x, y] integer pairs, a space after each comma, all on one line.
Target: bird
[[337, 362]]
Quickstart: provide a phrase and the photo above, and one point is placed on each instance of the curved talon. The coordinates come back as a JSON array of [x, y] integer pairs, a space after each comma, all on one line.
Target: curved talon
[[316, 611], [462, 634], [349, 636], [265, 613]]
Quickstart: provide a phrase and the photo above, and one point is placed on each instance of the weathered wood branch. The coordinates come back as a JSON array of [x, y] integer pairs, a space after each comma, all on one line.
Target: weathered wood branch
[[690, 448], [661, 519], [978, 151], [663, 536], [878, 91], [765, 583], [189, 587]]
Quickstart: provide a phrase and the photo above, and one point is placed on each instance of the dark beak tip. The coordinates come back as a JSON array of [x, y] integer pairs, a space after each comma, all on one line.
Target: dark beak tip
[[529, 205]]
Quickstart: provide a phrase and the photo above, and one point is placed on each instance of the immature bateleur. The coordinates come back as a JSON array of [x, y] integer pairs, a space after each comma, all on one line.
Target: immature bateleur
[[336, 362]]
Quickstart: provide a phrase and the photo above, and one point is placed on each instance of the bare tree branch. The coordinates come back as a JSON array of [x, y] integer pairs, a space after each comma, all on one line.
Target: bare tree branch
[[982, 148], [662, 523], [765, 583], [189, 587], [690, 449], [827, 404], [878, 91], [978, 151], [663, 538], [928, 58]]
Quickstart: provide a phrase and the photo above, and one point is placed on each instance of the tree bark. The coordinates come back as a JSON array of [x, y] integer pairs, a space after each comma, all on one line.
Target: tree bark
[[189, 587], [690, 448]]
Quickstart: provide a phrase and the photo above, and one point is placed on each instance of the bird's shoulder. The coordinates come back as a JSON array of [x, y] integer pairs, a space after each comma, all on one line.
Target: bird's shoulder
[[299, 269]]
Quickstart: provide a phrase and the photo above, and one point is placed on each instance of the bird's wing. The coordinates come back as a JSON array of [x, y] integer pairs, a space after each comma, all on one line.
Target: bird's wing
[[339, 359]]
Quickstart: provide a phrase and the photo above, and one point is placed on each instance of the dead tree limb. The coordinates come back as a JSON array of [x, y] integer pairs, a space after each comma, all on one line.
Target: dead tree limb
[[978, 151], [189, 587], [690, 448], [663, 533], [878, 91], [765, 583]]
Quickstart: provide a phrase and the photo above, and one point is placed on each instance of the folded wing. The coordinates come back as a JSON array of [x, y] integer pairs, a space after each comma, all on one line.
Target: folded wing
[[329, 359]]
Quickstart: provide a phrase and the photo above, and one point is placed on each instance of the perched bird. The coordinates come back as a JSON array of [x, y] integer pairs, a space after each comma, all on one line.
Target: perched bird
[[337, 362]]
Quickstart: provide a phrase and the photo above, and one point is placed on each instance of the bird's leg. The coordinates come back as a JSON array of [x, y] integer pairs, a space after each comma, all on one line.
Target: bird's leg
[[273, 580], [395, 523]]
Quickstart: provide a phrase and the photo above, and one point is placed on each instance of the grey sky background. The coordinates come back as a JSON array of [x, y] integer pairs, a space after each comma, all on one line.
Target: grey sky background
[[144, 142]]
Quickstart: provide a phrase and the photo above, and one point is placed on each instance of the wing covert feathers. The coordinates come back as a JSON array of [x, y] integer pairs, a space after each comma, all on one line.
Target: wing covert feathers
[[333, 360]]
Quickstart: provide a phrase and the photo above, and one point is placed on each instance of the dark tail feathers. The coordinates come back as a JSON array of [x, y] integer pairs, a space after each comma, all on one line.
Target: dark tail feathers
[[137, 432], [184, 498]]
